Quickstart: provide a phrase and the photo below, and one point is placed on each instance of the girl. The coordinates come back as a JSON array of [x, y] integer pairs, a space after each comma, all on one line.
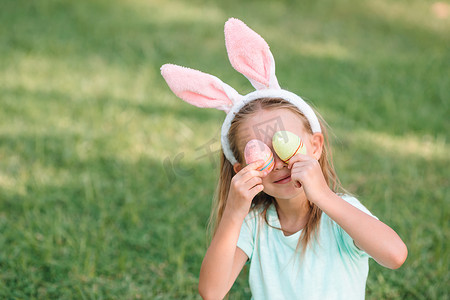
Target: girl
[[301, 238]]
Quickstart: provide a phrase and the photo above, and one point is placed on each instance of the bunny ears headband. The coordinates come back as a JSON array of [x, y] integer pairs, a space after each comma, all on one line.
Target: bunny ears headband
[[249, 54]]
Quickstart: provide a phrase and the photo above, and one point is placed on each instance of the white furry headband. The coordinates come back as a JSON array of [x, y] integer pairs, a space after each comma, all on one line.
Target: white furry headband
[[249, 54]]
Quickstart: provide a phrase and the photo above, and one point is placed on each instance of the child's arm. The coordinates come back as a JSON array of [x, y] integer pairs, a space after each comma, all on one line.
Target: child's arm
[[224, 260], [369, 234]]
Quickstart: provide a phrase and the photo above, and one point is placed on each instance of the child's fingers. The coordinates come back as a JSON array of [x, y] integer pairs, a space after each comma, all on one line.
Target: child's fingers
[[244, 178], [253, 166], [297, 177], [255, 190], [253, 181], [298, 158], [252, 170]]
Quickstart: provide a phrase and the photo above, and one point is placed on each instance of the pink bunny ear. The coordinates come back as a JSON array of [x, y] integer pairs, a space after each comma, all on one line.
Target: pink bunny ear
[[250, 55], [198, 88]]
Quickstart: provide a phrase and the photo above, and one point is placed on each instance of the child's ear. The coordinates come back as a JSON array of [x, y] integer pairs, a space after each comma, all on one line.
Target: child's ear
[[317, 144], [237, 167]]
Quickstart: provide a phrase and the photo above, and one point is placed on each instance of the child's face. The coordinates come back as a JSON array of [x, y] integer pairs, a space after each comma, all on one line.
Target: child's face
[[262, 125]]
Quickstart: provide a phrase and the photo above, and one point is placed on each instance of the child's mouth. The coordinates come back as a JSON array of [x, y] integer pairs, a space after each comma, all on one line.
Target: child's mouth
[[284, 180]]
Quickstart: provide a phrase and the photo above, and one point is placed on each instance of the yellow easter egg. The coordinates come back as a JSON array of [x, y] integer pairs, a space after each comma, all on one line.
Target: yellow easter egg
[[287, 144]]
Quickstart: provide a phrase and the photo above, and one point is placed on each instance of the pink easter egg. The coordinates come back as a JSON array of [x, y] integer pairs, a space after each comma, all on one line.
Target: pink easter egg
[[256, 150]]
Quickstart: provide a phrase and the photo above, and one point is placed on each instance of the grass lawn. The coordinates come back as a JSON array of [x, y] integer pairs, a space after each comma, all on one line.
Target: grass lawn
[[105, 179]]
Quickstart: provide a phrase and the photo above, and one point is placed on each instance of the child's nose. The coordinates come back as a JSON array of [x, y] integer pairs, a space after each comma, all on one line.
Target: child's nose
[[279, 164]]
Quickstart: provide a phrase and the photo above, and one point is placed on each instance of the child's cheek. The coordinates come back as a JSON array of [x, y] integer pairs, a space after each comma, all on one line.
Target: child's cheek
[[266, 181], [268, 185]]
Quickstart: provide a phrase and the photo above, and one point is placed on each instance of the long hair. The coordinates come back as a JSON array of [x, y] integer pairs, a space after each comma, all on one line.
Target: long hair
[[262, 201]]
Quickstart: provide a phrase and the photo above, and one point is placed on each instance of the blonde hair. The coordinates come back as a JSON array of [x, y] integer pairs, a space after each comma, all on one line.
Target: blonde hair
[[263, 201]]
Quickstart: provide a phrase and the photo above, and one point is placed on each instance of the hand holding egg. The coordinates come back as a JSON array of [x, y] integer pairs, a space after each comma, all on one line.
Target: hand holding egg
[[256, 150], [286, 144]]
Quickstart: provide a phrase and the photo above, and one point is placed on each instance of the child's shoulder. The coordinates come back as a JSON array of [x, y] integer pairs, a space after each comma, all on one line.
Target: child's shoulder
[[350, 199], [355, 202], [258, 212]]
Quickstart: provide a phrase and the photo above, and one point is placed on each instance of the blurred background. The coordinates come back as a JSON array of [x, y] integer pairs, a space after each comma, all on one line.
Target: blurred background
[[106, 178]]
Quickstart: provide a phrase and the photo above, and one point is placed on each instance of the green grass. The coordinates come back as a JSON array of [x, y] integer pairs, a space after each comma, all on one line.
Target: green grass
[[94, 203]]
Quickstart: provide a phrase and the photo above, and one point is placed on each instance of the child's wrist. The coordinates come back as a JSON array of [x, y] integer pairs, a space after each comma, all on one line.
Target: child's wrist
[[322, 197], [233, 215]]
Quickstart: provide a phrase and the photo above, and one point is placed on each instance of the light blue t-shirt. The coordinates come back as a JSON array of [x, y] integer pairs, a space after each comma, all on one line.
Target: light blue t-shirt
[[334, 268]]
